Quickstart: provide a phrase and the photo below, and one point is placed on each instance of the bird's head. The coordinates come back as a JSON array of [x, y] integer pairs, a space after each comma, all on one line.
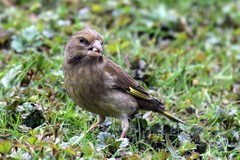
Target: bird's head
[[86, 43]]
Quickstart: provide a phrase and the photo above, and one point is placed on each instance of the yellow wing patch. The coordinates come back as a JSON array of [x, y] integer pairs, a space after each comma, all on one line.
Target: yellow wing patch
[[139, 94]]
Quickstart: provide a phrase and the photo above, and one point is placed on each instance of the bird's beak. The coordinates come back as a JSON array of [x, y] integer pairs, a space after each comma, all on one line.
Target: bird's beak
[[97, 47]]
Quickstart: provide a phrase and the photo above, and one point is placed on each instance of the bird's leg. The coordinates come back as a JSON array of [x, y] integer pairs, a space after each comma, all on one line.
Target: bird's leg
[[101, 119], [125, 126]]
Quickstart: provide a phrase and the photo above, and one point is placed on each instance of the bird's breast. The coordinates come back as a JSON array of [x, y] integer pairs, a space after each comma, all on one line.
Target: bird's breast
[[87, 85]]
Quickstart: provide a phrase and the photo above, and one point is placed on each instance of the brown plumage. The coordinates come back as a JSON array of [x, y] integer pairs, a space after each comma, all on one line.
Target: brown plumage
[[100, 86]]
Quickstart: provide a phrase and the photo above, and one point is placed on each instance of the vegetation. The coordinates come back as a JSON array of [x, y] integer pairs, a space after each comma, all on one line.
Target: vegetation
[[184, 52]]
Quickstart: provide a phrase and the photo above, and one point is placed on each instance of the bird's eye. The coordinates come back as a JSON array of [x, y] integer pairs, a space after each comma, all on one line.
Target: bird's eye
[[82, 40]]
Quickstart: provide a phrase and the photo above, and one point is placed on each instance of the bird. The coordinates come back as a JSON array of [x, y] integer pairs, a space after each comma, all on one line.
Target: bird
[[100, 86]]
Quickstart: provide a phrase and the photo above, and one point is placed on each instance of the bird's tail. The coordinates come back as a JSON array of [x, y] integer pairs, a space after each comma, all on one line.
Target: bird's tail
[[160, 107], [152, 104], [171, 117]]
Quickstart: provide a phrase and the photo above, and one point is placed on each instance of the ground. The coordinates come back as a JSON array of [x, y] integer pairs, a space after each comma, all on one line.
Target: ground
[[186, 53]]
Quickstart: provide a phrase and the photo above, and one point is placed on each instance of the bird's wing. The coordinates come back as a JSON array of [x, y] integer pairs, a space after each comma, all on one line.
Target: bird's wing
[[127, 84]]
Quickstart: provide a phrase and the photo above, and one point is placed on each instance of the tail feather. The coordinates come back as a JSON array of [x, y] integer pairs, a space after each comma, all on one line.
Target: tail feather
[[171, 117], [161, 109], [157, 106]]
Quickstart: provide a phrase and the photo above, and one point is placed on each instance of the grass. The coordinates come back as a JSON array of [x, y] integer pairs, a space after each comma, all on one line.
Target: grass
[[186, 53]]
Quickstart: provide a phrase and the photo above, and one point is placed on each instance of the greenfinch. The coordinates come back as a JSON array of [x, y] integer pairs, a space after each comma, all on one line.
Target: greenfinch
[[98, 85]]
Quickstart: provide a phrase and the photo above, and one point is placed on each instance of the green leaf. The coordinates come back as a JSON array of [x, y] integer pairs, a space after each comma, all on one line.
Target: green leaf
[[5, 147], [97, 8], [108, 143], [30, 33], [195, 155], [32, 140], [125, 142], [183, 137], [17, 44], [10, 76], [188, 146], [105, 139], [170, 147]]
